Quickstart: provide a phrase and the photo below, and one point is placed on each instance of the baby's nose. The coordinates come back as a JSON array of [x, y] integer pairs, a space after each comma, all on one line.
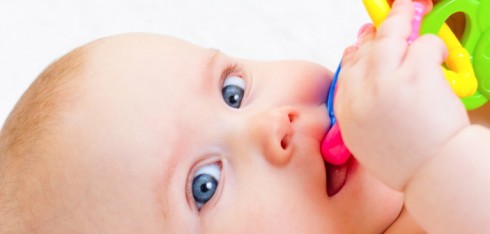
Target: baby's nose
[[273, 132]]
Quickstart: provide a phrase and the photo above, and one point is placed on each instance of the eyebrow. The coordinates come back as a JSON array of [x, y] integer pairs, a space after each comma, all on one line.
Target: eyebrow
[[213, 59]]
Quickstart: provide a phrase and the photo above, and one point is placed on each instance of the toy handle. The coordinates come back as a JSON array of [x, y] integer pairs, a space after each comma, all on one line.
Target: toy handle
[[466, 74]]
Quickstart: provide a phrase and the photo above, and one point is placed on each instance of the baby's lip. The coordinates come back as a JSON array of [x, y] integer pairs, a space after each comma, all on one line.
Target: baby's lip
[[337, 176]]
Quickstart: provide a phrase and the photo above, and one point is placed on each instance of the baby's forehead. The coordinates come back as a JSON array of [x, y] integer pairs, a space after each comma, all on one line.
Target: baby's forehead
[[144, 43], [167, 62], [143, 54], [146, 73]]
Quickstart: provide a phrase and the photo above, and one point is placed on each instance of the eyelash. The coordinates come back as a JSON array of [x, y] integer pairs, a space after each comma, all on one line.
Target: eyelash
[[230, 69]]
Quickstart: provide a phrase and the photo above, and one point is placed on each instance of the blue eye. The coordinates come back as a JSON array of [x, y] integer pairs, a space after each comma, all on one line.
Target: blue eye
[[205, 183], [233, 90]]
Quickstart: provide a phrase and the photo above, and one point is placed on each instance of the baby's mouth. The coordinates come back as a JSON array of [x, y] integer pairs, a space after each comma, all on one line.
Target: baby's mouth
[[336, 157], [336, 177]]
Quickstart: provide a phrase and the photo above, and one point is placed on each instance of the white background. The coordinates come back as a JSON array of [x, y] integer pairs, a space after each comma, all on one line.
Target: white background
[[33, 33]]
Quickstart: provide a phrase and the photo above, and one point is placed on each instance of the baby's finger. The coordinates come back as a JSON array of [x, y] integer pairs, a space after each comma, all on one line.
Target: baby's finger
[[428, 52], [349, 55], [398, 23], [365, 42], [366, 34], [391, 38], [359, 50]]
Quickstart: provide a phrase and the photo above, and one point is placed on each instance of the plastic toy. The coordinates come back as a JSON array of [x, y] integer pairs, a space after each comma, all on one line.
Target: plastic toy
[[467, 67]]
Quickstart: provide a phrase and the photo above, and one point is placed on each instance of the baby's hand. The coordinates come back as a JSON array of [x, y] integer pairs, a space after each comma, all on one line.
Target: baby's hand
[[394, 107]]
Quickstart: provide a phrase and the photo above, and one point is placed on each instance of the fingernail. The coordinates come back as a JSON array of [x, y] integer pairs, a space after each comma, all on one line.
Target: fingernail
[[333, 148], [398, 2], [356, 43], [363, 29]]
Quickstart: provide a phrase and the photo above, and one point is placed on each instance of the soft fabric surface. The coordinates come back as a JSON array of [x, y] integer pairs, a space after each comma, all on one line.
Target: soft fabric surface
[[33, 33]]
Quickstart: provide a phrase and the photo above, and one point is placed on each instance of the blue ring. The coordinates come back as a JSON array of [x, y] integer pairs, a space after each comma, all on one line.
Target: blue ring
[[331, 95]]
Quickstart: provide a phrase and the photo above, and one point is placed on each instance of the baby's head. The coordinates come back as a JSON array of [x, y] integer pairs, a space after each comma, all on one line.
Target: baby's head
[[150, 134]]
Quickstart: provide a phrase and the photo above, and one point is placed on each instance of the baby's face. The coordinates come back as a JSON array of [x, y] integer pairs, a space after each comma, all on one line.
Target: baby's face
[[169, 137]]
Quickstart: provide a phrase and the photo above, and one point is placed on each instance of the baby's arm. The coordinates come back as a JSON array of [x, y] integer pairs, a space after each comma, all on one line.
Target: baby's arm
[[451, 192], [402, 121]]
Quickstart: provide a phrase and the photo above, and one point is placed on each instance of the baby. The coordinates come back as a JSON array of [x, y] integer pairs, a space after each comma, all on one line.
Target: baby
[[142, 133]]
